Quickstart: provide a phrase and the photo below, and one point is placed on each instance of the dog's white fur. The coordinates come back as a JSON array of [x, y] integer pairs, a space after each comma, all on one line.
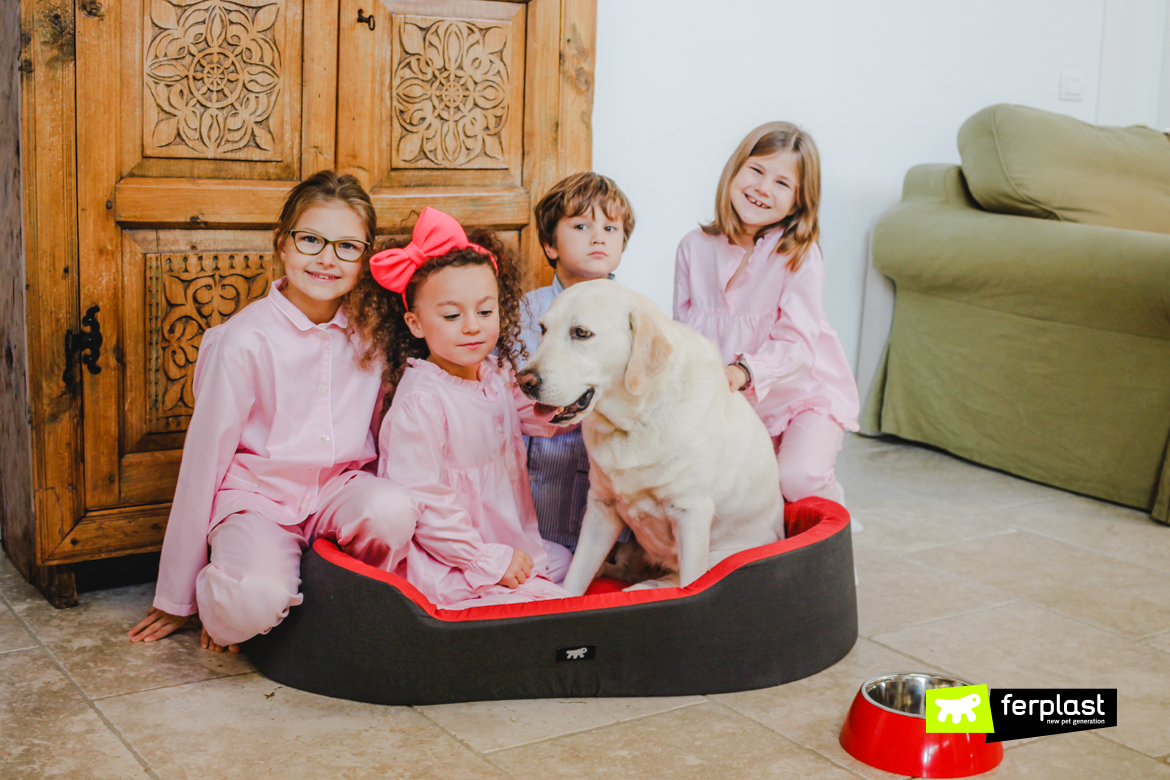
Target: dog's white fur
[[673, 453]]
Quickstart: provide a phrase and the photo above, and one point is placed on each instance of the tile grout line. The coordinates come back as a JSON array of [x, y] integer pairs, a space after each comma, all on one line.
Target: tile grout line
[[905, 559], [1015, 600], [1011, 600], [906, 445], [81, 692], [1111, 556], [1123, 746], [588, 730], [1092, 551], [13, 613], [787, 738], [979, 513], [1152, 647], [922, 661], [177, 685], [940, 545], [483, 757], [1111, 632]]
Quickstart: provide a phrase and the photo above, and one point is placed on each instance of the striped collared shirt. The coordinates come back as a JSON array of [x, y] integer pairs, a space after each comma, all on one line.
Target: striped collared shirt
[[558, 467]]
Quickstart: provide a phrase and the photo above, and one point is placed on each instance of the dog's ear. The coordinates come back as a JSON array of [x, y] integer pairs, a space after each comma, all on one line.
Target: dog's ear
[[649, 352]]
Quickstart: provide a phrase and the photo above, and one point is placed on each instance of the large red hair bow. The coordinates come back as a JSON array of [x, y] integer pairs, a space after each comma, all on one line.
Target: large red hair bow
[[435, 234]]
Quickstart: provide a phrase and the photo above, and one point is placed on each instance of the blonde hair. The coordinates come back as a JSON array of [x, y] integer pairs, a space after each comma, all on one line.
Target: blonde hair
[[801, 229], [576, 195], [321, 188]]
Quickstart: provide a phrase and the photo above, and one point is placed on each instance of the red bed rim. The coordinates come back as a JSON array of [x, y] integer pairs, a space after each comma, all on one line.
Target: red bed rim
[[807, 522]]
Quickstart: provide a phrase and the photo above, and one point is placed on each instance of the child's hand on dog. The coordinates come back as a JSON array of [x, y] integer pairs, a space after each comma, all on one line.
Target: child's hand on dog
[[518, 570], [736, 377]]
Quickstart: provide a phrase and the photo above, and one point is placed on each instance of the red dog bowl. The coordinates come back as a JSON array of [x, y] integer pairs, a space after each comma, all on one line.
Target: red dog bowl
[[886, 728]]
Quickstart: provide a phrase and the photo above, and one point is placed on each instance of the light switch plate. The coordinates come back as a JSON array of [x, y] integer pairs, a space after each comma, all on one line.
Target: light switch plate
[[1072, 87]]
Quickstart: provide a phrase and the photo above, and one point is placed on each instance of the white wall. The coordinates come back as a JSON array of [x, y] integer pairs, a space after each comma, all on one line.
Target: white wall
[[1164, 101], [881, 86], [1132, 46]]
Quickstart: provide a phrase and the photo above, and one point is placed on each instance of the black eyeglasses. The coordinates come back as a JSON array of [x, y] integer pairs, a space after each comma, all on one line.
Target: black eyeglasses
[[348, 249]]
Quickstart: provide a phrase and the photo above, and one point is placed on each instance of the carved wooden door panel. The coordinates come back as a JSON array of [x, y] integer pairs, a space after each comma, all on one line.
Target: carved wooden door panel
[[195, 118], [186, 112]]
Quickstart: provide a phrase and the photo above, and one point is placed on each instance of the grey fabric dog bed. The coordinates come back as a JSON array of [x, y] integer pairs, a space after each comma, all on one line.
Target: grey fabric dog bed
[[760, 618]]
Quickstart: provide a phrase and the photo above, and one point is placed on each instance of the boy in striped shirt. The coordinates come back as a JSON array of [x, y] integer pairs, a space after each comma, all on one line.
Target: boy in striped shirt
[[583, 222]]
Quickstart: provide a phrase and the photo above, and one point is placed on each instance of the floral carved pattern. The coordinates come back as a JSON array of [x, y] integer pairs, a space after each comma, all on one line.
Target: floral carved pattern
[[186, 295], [451, 94], [213, 79]]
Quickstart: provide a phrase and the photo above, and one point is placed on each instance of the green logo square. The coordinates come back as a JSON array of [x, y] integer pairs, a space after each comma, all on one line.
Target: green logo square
[[962, 710]]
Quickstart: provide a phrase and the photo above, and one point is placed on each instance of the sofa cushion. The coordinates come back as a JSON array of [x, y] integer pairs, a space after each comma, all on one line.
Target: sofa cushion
[[1033, 163]]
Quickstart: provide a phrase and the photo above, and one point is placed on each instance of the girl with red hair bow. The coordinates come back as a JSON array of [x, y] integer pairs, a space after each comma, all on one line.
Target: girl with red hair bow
[[444, 313]]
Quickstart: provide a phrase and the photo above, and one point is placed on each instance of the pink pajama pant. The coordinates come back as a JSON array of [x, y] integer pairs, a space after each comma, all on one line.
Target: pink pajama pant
[[254, 574], [807, 455]]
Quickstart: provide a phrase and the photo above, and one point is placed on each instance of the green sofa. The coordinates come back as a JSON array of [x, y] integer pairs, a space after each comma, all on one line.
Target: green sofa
[[1031, 328]]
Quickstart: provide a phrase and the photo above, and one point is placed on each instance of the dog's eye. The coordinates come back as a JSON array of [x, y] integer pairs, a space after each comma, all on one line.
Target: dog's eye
[[580, 334], [543, 329]]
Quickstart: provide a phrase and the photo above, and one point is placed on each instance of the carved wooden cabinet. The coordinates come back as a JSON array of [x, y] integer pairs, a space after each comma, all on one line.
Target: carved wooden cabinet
[[160, 138]]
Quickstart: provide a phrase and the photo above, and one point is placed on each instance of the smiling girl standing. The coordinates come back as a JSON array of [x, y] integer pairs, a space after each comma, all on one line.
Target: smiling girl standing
[[751, 282], [282, 426]]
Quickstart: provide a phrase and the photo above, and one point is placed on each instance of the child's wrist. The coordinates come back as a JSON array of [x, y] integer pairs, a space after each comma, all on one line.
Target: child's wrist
[[742, 365]]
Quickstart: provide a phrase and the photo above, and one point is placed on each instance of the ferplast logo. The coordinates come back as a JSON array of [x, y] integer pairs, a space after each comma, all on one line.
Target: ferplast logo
[[1036, 712], [1018, 713], [961, 710]]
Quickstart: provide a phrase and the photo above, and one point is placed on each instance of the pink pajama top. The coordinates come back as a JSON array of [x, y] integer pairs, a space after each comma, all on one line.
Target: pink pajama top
[[282, 421], [456, 445], [773, 318]]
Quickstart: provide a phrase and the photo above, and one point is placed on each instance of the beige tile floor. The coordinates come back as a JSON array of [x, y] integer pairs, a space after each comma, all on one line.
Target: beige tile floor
[[962, 570]]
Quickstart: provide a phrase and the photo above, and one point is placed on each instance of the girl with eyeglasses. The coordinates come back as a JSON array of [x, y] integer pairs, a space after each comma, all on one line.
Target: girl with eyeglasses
[[284, 422]]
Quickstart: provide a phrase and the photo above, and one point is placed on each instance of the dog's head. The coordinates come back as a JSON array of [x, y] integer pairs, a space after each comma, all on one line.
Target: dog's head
[[599, 338]]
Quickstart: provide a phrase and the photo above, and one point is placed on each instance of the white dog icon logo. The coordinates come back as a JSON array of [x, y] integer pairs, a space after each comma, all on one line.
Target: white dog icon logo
[[579, 653], [957, 708]]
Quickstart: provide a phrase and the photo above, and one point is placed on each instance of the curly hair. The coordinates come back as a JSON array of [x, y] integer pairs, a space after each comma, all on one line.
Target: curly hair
[[377, 313]]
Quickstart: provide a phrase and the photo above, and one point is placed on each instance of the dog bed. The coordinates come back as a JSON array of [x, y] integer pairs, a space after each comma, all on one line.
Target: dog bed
[[760, 618]]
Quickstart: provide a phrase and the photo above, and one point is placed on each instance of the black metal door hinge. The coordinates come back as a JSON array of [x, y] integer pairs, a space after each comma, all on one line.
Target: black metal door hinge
[[89, 345]]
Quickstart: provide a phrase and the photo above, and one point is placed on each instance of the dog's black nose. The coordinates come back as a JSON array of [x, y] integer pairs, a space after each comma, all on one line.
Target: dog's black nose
[[529, 382]]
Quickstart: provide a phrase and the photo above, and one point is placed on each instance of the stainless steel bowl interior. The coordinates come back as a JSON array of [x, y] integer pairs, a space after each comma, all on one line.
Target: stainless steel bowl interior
[[905, 693]]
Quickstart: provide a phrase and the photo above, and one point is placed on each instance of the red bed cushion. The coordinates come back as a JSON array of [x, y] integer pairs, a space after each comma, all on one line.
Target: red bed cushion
[[806, 522]]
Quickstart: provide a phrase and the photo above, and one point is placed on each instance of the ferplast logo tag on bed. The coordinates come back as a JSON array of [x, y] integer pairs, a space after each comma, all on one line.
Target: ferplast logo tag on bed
[[962, 710], [576, 653]]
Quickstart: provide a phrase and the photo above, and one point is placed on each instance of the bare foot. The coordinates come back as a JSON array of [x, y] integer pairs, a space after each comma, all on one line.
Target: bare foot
[[207, 643]]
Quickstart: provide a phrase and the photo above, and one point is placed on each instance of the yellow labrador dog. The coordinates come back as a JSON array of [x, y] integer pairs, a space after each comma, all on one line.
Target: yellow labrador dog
[[673, 453]]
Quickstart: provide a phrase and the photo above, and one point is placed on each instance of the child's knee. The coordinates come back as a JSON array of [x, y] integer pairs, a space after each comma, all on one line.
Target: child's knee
[[388, 516], [236, 609], [797, 481]]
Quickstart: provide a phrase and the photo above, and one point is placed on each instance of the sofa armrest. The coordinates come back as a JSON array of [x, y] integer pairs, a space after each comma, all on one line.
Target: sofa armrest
[[938, 242], [938, 182]]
